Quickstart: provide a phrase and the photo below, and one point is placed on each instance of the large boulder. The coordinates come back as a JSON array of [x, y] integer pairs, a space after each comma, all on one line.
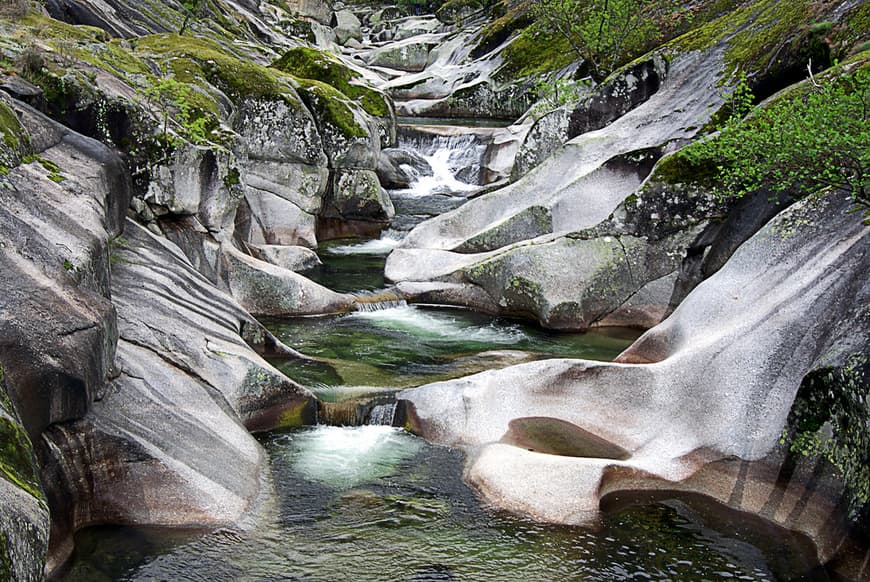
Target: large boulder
[[284, 171], [699, 402], [266, 289], [346, 26], [545, 137], [319, 10], [399, 168], [408, 55]]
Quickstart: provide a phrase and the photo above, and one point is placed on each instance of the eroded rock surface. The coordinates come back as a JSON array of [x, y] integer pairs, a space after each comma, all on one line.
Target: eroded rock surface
[[714, 381]]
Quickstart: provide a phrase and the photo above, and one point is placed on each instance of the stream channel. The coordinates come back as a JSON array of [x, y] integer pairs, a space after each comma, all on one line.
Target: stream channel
[[373, 502]]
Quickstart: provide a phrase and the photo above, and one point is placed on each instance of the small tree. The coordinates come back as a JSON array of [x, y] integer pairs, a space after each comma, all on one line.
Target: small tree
[[604, 32], [192, 10], [814, 139]]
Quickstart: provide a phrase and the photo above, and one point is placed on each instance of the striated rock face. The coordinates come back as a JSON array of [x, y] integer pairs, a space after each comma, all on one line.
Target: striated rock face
[[285, 171], [141, 381], [23, 510], [711, 384], [55, 236]]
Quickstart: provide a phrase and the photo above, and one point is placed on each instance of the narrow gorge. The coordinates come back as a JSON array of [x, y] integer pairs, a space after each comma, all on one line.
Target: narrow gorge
[[300, 290]]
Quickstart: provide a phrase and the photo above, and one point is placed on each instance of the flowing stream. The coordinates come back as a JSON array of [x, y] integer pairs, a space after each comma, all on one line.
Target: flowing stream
[[373, 502]]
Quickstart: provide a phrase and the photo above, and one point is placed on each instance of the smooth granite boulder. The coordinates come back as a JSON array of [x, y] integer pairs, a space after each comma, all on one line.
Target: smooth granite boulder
[[699, 401]]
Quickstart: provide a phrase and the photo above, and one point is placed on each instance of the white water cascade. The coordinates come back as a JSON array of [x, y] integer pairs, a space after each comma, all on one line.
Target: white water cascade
[[455, 161], [383, 414]]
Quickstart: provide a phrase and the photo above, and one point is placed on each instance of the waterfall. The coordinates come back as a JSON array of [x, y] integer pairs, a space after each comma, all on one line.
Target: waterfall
[[456, 160], [383, 414], [374, 411], [381, 305]]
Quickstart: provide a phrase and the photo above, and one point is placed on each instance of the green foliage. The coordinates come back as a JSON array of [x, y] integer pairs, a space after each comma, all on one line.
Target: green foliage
[[309, 63], [605, 33], [192, 10], [176, 101], [554, 93], [837, 398], [814, 139]]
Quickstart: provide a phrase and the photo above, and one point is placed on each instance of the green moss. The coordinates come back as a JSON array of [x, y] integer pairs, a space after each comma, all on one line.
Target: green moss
[[294, 416], [755, 32], [236, 75], [47, 27], [678, 169], [498, 31], [311, 64], [54, 171], [533, 52], [16, 451], [233, 178], [10, 129], [332, 108]]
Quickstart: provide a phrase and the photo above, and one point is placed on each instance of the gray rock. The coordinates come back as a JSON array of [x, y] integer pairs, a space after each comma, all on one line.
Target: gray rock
[[265, 289], [288, 257], [24, 520], [620, 93], [399, 168], [713, 382], [319, 10], [284, 175], [346, 26], [546, 136], [408, 55], [357, 196], [200, 181], [279, 130]]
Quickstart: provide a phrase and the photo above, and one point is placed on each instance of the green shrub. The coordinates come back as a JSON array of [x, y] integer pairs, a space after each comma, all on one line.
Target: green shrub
[[814, 139]]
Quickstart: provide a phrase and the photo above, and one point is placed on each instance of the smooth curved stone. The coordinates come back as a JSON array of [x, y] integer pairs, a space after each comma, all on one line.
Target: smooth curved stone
[[559, 437]]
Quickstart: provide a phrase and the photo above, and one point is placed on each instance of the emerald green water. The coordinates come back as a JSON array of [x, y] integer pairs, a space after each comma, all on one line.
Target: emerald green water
[[410, 345], [375, 503]]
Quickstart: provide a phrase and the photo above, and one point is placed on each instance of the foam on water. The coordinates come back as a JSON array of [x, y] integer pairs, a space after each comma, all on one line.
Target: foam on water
[[438, 327], [343, 457], [377, 246], [447, 156]]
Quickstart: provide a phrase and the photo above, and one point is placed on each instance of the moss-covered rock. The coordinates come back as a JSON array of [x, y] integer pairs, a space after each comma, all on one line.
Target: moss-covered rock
[[530, 223], [533, 52], [240, 77], [309, 63], [23, 509], [14, 140], [500, 29], [455, 11], [357, 196]]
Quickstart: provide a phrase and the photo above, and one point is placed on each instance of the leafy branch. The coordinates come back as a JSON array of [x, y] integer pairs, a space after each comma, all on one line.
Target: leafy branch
[[813, 140]]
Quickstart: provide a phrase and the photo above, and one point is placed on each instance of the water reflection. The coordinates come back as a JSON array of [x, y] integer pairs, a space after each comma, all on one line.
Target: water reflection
[[401, 512]]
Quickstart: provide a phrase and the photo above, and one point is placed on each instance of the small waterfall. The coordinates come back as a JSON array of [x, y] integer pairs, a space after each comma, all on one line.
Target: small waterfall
[[456, 160], [383, 414], [371, 410], [372, 306]]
